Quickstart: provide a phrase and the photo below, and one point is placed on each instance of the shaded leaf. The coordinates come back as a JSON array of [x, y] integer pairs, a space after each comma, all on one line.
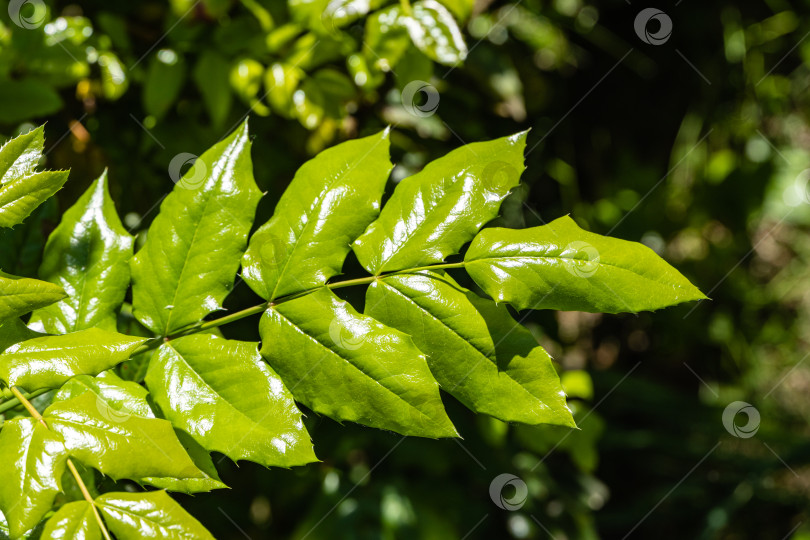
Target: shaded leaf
[[435, 32]]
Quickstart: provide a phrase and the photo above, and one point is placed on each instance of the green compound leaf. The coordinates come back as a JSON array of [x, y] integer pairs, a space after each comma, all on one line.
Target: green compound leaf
[[33, 461], [191, 255], [476, 351], [49, 361], [435, 32], [135, 516], [74, 521], [101, 437], [351, 367], [560, 266], [88, 256], [434, 212], [223, 394], [329, 203], [19, 295]]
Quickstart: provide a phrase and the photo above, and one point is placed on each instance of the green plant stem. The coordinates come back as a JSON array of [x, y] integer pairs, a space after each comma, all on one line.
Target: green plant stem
[[406, 7], [85, 492], [203, 326], [14, 402]]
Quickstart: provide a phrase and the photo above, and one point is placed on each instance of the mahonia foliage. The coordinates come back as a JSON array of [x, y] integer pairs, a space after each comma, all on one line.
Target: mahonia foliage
[[150, 405]]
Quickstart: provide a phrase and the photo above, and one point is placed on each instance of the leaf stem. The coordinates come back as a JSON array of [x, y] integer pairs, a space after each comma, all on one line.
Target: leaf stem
[[14, 402], [89, 498], [203, 326], [406, 7]]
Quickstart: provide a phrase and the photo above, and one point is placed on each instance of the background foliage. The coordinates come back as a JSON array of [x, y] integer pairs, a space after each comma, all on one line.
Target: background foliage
[[695, 147]]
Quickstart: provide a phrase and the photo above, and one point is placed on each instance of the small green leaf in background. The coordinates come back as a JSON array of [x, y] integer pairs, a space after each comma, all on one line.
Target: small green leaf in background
[[114, 80], [351, 367], [437, 210], [246, 79], [88, 256], [386, 38], [101, 437], [211, 77], [189, 261], [33, 461], [224, 395], [74, 521], [19, 295], [27, 99], [330, 201], [164, 81], [476, 351], [560, 266], [49, 361], [153, 515], [434, 31]]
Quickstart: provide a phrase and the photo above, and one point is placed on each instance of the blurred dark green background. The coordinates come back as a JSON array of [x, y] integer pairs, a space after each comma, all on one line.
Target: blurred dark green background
[[696, 144]]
